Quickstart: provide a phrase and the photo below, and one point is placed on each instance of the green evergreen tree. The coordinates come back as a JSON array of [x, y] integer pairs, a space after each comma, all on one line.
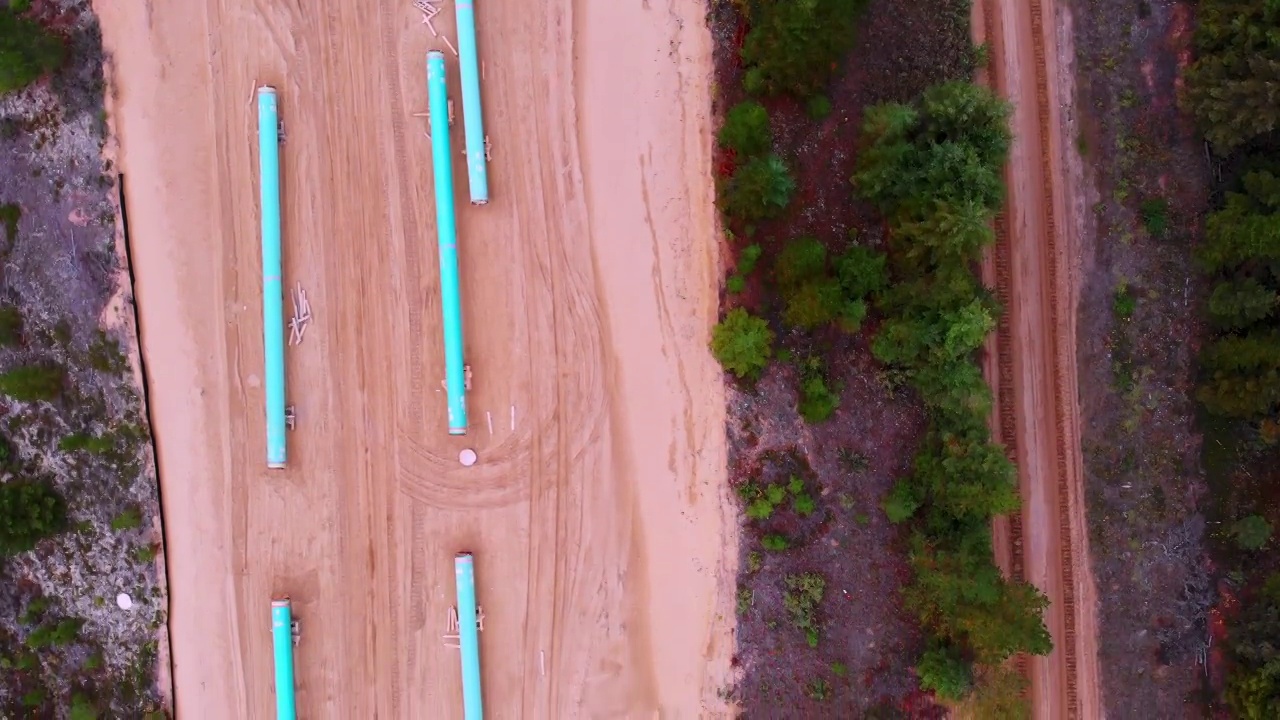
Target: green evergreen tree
[[966, 477], [1253, 689], [950, 150], [1233, 87], [746, 129], [862, 272], [794, 45], [1242, 375], [742, 343], [759, 189], [1246, 229], [1237, 304], [943, 671]]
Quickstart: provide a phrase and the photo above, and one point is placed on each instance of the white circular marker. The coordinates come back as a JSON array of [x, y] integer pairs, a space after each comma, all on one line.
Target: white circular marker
[[467, 457], [124, 601]]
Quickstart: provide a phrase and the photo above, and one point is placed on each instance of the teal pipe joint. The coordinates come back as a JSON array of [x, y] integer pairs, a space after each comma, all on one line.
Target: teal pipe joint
[[468, 637], [282, 643], [272, 287], [472, 116], [447, 236]]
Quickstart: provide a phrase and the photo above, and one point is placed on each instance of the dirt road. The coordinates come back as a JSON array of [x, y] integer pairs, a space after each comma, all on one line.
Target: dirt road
[[1035, 268], [603, 538]]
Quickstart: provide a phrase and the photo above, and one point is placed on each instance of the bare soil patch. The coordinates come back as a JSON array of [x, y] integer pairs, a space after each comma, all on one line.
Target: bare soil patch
[[595, 512], [1138, 339]]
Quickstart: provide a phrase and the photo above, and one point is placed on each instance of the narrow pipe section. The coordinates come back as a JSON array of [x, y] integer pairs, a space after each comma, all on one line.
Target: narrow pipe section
[[468, 637], [272, 288], [282, 640], [472, 117], [447, 233]]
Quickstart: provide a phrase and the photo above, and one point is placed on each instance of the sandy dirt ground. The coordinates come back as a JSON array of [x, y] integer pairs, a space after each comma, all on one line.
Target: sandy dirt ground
[[1036, 265], [603, 536]]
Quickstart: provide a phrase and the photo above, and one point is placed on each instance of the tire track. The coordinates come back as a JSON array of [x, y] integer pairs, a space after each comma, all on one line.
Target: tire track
[[1061, 363], [409, 237], [1061, 402], [417, 584], [1007, 410]]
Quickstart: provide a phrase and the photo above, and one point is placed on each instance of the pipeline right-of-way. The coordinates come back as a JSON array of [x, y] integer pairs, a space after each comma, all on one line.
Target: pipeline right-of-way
[[472, 120], [447, 234]]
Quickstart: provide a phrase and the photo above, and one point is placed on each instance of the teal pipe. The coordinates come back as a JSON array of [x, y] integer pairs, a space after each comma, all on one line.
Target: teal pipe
[[282, 640], [468, 637], [272, 288], [447, 236], [472, 117]]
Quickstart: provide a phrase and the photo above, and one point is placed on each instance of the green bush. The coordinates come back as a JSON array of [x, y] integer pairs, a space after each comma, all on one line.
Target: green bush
[[10, 214], [960, 596], [742, 343], [1155, 216], [901, 503], [129, 519], [944, 672], [62, 633], [1000, 694], [803, 596], [26, 51], [82, 708], [1123, 303], [746, 130], [89, 443], [818, 107], [817, 400], [759, 189], [749, 258], [8, 454], [1252, 532], [737, 282], [35, 698], [33, 382], [852, 313], [10, 326], [775, 542], [801, 259], [813, 304], [813, 295], [29, 512], [862, 272], [794, 46]]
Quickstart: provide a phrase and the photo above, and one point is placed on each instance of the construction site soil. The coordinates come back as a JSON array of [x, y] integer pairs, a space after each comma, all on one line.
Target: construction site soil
[[597, 514]]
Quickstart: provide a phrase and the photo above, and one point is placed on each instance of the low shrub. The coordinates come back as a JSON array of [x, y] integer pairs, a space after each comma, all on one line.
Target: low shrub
[[29, 512], [742, 343]]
